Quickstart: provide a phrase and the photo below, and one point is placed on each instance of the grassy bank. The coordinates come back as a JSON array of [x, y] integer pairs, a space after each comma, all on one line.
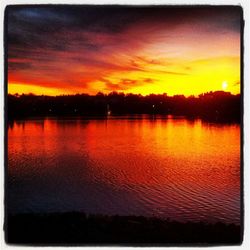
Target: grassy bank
[[78, 228]]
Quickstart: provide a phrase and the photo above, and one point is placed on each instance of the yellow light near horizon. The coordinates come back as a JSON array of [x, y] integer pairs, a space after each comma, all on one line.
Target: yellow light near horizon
[[224, 85], [14, 88], [201, 76]]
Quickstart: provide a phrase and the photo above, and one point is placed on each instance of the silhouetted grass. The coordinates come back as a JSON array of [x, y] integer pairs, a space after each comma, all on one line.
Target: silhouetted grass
[[79, 228]]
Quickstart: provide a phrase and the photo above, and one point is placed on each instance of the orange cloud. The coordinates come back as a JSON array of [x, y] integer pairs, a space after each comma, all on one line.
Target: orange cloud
[[140, 50]]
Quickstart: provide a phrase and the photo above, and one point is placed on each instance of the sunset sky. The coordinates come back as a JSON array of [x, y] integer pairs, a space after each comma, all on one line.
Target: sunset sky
[[87, 49]]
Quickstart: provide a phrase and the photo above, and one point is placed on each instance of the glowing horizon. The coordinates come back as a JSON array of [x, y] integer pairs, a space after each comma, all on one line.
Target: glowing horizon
[[139, 50]]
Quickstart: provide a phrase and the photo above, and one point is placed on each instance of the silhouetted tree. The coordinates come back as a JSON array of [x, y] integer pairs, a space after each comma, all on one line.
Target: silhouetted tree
[[216, 106]]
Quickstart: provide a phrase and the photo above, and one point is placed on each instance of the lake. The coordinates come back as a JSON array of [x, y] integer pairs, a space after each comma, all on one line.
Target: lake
[[162, 166]]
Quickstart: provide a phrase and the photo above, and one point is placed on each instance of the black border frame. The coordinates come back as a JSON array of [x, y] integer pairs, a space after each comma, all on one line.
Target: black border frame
[[242, 212]]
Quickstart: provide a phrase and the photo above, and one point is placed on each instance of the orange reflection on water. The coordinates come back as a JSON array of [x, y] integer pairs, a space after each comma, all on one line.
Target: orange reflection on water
[[170, 167]]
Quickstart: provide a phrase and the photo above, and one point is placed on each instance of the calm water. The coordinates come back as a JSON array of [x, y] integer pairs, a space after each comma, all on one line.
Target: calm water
[[171, 168]]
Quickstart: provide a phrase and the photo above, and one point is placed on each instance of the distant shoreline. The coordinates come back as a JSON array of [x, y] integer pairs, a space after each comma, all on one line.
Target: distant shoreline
[[78, 228], [216, 106]]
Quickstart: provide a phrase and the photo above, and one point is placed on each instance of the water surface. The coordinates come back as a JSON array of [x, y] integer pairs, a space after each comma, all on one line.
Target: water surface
[[165, 167]]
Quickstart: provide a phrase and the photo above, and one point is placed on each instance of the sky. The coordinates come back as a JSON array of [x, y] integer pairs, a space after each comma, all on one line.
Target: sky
[[55, 50]]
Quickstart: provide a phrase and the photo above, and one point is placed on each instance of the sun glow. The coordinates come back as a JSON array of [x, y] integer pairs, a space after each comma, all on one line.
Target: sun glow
[[146, 56], [224, 85]]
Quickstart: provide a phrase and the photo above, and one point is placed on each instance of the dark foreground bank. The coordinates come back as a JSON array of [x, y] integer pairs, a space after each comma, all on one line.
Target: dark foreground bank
[[79, 228]]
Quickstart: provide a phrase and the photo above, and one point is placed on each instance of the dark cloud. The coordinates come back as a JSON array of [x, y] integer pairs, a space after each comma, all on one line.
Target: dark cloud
[[114, 87], [149, 80], [148, 60], [19, 65], [125, 84], [236, 83], [39, 25], [77, 43], [170, 72]]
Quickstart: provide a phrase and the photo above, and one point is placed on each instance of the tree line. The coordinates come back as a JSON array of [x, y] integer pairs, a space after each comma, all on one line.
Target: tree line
[[217, 106]]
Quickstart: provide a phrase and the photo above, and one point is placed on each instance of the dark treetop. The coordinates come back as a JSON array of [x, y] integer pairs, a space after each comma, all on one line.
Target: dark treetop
[[214, 106]]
